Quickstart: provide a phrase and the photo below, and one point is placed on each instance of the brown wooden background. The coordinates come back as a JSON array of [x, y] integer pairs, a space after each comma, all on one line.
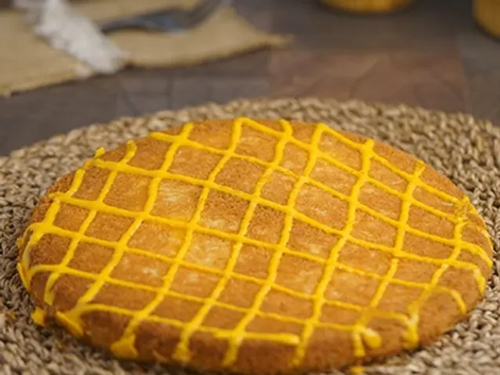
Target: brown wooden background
[[431, 55]]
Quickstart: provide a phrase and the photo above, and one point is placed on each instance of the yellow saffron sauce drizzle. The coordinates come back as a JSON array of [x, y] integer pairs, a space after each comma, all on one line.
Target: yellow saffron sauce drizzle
[[363, 337], [39, 316], [357, 370]]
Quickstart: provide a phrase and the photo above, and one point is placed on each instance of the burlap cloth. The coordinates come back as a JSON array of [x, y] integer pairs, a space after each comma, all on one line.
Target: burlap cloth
[[464, 149], [27, 62]]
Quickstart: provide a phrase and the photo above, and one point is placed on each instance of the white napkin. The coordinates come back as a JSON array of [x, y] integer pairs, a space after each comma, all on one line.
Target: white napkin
[[61, 26]]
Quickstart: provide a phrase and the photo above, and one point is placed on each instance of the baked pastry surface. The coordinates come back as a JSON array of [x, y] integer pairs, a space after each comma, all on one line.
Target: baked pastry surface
[[255, 246]]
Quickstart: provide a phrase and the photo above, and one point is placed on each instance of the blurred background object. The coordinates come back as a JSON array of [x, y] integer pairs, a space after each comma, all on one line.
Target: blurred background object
[[487, 15], [369, 6], [63, 28], [433, 54], [170, 19], [62, 41]]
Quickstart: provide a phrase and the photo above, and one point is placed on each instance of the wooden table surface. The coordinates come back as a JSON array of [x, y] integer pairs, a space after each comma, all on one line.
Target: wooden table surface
[[431, 55]]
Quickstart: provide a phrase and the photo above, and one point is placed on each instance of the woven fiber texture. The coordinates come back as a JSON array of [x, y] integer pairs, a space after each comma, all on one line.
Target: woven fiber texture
[[465, 150]]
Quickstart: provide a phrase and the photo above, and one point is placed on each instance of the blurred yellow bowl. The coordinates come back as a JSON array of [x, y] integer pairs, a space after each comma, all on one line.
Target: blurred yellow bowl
[[368, 6], [487, 15]]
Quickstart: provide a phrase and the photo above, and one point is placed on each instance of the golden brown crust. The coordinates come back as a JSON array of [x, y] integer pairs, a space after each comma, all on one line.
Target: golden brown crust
[[321, 213]]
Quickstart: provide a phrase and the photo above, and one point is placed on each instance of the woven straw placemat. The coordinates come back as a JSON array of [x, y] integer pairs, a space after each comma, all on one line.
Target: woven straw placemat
[[464, 149]]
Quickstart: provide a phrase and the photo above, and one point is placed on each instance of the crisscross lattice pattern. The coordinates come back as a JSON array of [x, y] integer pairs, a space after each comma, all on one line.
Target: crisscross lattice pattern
[[363, 337]]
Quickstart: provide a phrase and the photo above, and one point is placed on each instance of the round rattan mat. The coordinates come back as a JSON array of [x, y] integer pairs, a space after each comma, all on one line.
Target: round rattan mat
[[464, 149]]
